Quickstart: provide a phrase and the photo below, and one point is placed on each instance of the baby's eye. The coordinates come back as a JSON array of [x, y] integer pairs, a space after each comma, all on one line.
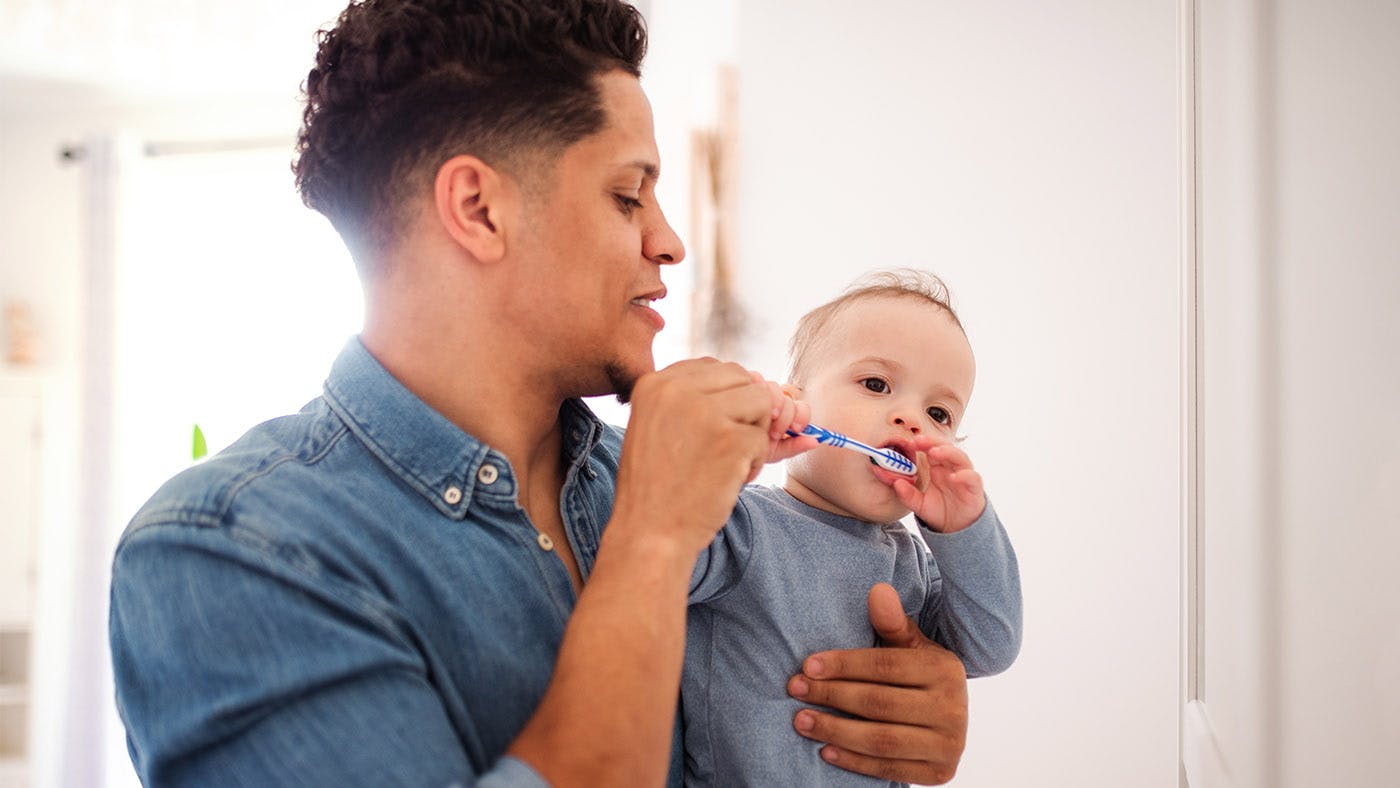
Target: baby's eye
[[940, 415], [876, 385]]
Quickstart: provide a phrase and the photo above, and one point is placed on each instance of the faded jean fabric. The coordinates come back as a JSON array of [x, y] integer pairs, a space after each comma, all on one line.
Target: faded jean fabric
[[348, 596]]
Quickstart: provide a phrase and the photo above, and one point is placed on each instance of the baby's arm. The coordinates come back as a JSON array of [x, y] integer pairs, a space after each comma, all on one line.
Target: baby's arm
[[977, 612]]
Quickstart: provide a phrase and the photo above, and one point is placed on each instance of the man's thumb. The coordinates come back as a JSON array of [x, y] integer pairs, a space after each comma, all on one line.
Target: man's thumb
[[888, 619]]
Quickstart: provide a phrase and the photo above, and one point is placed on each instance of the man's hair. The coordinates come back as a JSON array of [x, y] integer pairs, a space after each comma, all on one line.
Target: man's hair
[[895, 283], [401, 86]]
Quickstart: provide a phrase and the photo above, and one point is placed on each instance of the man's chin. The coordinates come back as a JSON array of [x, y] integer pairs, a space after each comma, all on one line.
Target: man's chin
[[622, 379]]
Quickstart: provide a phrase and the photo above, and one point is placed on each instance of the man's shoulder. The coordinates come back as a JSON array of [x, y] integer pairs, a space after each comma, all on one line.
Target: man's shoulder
[[280, 453]]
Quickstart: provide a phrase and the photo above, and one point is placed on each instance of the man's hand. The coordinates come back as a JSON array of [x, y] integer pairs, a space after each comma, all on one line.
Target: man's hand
[[911, 695], [947, 495], [698, 432]]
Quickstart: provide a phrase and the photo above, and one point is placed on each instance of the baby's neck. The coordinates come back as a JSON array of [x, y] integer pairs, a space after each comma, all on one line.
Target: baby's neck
[[813, 499]]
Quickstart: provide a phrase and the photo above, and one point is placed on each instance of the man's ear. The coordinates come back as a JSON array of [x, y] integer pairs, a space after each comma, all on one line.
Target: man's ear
[[470, 198]]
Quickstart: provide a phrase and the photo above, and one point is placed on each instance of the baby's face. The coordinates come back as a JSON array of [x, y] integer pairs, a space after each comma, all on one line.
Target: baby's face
[[886, 370]]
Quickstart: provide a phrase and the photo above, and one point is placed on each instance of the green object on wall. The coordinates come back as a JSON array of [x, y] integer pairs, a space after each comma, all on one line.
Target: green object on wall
[[200, 447]]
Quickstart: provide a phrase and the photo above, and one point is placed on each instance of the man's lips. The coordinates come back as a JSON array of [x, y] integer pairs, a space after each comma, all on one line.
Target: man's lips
[[644, 303]]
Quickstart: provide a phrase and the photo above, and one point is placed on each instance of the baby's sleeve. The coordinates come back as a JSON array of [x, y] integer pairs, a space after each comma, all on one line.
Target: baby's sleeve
[[720, 565], [973, 607]]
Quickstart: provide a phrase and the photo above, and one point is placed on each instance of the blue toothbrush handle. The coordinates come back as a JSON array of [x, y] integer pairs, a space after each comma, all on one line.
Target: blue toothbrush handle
[[892, 460], [822, 436]]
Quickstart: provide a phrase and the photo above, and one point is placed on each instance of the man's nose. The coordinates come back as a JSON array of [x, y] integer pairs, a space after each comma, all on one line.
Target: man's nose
[[661, 244]]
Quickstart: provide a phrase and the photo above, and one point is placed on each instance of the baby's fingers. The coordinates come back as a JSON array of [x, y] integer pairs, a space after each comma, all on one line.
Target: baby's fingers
[[950, 456], [785, 412], [908, 494], [967, 482]]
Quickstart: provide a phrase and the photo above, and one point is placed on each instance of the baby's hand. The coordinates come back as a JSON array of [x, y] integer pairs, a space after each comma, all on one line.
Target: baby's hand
[[789, 414], [947, 495]]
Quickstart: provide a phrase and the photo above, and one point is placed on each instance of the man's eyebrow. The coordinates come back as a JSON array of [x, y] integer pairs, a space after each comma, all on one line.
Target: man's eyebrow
[[650, 170]]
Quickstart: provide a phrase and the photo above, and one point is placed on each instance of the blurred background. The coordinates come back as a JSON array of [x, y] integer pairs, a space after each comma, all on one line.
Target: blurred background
[[1171, 232]]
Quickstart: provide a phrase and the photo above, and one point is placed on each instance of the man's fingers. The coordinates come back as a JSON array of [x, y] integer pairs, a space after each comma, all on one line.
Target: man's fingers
[[875, 702], [903, 667], [895, 771], [747, 405], [876, 739], [888, 620], [711, 375]]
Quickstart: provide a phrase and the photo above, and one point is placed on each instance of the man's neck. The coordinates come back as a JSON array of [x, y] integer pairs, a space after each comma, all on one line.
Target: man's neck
[[484, 390]]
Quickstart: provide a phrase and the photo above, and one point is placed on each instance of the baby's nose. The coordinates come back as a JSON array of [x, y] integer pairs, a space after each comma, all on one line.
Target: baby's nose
[[900, 422]]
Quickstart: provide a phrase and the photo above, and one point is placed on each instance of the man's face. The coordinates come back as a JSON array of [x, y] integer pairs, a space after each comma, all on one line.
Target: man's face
[[594, 244], [886, 369]]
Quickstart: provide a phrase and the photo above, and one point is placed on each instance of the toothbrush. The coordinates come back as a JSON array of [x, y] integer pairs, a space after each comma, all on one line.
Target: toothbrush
[[889, 459]]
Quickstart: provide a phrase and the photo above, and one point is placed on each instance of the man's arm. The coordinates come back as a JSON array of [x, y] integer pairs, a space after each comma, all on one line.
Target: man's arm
[[235, 666], [238, 665], [697, 433]]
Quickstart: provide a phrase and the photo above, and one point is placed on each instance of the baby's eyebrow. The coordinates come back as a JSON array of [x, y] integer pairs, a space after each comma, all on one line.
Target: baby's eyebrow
[[884, 362], [950, 394]]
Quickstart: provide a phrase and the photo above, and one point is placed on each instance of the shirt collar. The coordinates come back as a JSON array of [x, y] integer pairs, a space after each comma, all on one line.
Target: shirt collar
[[430, 453]]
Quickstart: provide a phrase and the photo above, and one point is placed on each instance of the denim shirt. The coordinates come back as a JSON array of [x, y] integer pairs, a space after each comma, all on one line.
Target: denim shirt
[[351, 595]]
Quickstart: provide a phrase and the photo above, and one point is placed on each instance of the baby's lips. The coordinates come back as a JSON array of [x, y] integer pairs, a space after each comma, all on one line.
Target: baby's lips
[[887, 477]]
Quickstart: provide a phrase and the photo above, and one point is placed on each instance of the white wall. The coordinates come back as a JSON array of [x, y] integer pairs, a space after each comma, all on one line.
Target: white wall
[[1300, 227], [1338, 241], [1028, 153]]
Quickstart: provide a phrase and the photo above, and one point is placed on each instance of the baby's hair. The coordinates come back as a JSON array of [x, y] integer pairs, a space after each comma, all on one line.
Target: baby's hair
[[897, 282]]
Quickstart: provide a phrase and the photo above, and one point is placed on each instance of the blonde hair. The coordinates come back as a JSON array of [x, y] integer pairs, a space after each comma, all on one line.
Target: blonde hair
[[896, 283]]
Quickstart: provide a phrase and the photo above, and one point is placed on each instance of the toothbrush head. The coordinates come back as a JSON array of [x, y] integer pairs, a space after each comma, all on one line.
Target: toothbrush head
[[893, 461]]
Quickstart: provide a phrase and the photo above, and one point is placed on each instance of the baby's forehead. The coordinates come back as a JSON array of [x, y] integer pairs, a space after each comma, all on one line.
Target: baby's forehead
[[867, 324], [873, 316]]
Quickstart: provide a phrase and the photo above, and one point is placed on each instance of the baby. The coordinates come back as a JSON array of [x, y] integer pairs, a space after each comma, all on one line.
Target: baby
[[887, 363]]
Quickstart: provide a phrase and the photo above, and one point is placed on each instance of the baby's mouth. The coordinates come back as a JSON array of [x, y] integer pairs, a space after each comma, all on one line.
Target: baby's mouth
[[900, 447], [896, 450]]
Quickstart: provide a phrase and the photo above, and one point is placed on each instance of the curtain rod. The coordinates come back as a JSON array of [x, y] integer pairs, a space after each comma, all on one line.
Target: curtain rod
[[157, 149]]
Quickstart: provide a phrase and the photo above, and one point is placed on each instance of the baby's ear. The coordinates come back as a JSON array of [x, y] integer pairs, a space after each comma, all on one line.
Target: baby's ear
[[791, 392]]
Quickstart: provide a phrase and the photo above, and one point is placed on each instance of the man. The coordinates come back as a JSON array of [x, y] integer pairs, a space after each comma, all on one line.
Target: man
[[445, 570]]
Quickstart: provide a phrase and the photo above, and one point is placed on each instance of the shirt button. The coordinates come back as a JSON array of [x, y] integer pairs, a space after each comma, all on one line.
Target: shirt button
[[487, 474], [452, 495], [546, 543]]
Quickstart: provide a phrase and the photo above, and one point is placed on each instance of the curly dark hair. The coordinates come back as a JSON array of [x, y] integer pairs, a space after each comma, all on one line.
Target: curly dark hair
[[401, 86]]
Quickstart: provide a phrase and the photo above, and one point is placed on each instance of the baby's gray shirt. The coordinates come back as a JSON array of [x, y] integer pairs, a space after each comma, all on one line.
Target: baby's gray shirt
[[784, 580]]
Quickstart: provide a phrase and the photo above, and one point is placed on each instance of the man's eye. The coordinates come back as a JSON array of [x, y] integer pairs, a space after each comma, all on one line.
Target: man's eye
[[628, 204], [940, 415], [876, 385]]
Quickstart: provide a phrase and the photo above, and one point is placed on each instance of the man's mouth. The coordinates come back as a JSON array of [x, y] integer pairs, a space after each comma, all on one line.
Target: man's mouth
[[646, 300]]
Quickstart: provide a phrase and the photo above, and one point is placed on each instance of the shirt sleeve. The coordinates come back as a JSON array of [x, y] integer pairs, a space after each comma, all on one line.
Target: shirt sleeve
[[977, 613], [233, 667], [721, 565]]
